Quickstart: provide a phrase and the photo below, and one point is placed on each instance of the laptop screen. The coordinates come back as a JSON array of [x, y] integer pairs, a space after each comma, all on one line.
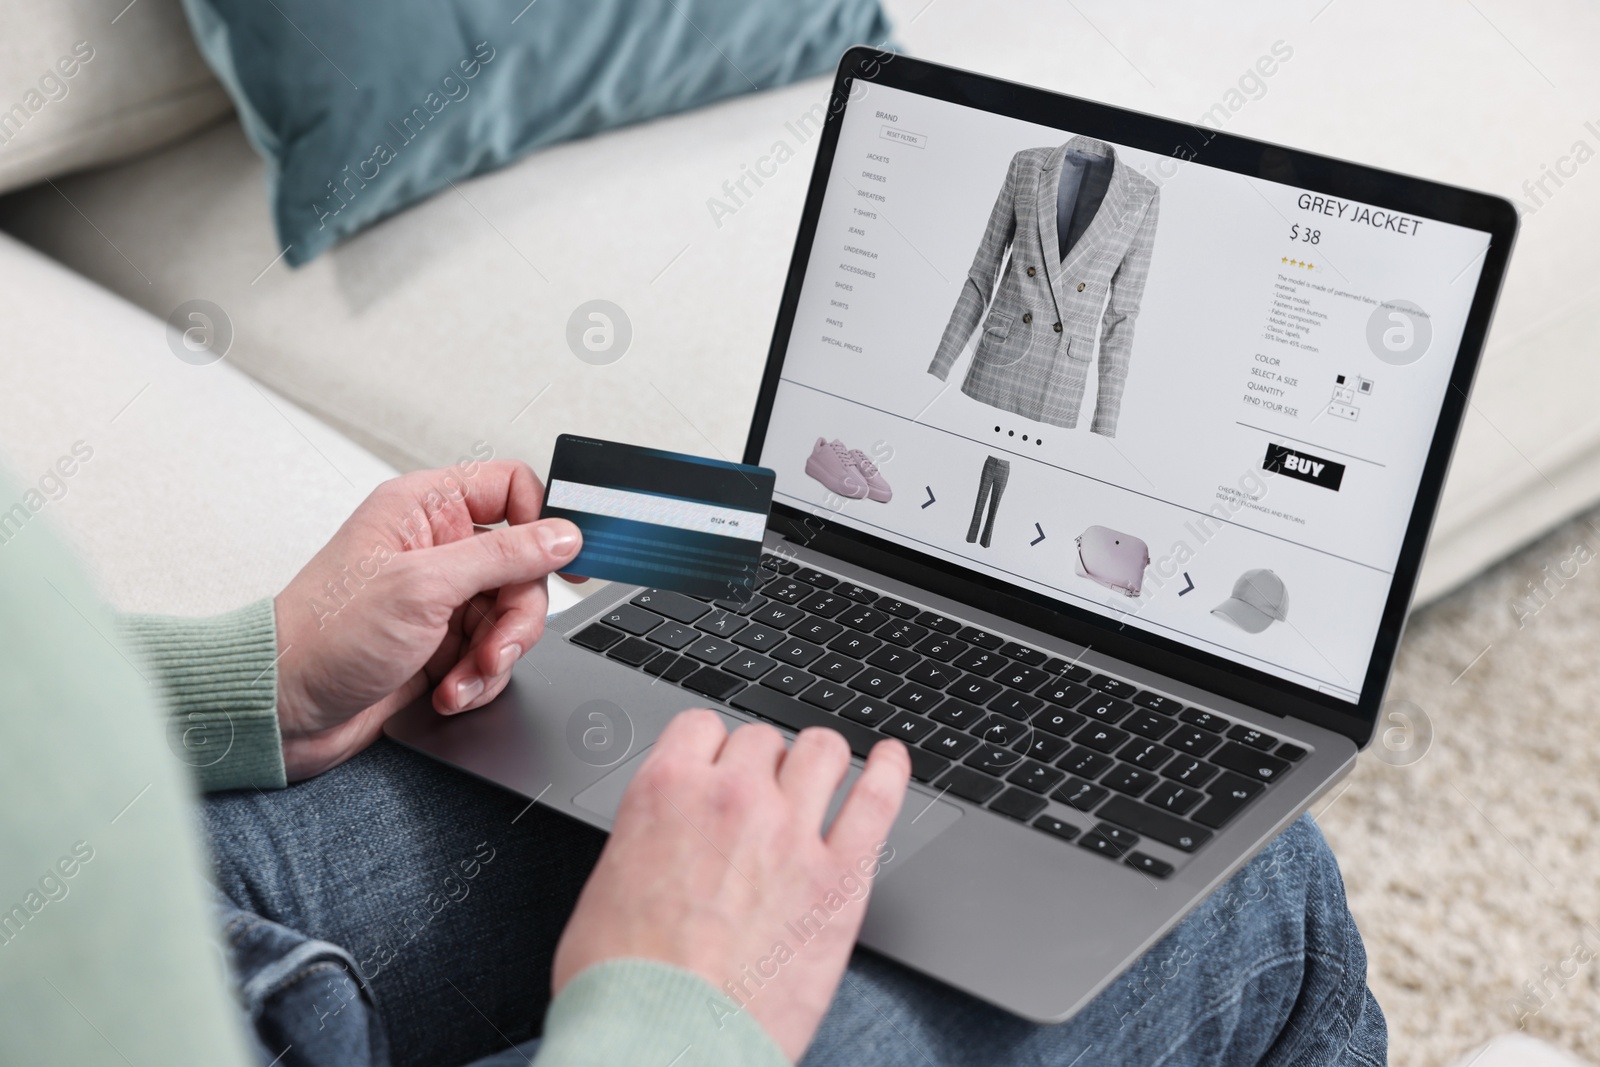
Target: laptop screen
[[1195, 402]]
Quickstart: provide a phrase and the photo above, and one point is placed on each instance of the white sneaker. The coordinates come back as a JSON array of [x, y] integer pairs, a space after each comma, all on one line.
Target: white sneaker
[[831, 464], [877, 488]]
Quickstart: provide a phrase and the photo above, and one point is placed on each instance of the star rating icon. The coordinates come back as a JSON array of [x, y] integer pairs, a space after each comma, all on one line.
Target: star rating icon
[[1297, 263]]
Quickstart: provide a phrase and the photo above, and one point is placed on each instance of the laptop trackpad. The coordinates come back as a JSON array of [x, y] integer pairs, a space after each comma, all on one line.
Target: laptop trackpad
[[922, 817]]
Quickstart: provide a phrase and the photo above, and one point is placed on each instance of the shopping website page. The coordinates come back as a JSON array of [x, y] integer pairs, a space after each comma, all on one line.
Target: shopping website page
[[1195, 402]]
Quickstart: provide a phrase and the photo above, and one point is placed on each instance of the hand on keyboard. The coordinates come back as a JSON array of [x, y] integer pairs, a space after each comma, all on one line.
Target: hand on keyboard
[[991, 722], [717, 856]]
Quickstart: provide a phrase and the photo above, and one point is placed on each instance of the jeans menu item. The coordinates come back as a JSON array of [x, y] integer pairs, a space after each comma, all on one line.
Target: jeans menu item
[[991, 484], [1053, 307]]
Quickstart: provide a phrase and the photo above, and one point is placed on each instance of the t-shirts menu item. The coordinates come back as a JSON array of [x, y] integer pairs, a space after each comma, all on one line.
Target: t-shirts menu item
[[1051, 311]]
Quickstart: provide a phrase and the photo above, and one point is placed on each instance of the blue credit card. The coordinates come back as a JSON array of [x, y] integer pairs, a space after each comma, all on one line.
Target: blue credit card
[[661, 518]]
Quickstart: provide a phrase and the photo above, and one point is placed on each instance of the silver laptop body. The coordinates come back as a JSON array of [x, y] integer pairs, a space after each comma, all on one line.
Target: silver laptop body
[[1130, 711]]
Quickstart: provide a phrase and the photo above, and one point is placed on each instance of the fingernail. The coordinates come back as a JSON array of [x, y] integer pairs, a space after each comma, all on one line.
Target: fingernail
[[467, 691], [558, 537], [508, 656]]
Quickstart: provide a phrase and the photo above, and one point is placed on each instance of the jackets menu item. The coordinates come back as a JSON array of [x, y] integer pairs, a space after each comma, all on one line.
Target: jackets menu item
[[1050, 309]]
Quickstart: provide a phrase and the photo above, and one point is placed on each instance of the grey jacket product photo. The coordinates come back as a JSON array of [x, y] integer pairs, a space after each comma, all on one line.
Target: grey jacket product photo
[[1080, 226]]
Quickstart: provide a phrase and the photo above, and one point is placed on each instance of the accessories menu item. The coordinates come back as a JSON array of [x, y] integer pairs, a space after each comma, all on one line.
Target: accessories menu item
[[1054, 305], [847, 471], [1116, 560], [991, 484], [1259, 599]]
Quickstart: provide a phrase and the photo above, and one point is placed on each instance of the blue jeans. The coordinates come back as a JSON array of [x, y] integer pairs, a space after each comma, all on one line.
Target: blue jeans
[[425, 906]]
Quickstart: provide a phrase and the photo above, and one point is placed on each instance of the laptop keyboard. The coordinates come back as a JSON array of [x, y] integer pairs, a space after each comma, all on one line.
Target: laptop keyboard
[[1081, 756]]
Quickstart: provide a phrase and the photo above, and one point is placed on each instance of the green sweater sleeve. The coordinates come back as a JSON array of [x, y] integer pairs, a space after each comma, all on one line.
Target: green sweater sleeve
[[106, 954], [641, 1011], [217, 679], [103, 925]]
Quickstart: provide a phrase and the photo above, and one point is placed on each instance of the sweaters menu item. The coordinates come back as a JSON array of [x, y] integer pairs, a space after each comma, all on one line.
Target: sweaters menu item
[[1053, 306]]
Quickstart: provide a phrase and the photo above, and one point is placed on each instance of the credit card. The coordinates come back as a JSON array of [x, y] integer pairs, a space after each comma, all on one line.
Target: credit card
[[659, 518]]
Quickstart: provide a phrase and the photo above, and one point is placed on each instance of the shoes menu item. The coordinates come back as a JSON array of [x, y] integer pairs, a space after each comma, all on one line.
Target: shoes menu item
[[832, 465], [877, 488]]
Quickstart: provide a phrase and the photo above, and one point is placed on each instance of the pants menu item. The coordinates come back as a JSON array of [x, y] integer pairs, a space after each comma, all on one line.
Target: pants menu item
[[1053, 306], [991, 484]]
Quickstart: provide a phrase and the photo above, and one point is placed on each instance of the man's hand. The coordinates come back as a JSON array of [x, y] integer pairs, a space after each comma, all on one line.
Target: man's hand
[[411, 594], [717, 859]]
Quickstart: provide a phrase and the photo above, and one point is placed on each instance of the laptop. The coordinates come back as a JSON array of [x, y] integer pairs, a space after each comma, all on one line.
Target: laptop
[[1107, 449]]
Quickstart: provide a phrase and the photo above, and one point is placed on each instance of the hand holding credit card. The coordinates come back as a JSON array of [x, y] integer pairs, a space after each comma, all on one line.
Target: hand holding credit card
[[659, 518]]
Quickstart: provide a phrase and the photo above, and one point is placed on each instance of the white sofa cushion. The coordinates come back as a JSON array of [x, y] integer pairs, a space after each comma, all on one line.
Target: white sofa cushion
[[442, 325], [192, 489], [87, 82]]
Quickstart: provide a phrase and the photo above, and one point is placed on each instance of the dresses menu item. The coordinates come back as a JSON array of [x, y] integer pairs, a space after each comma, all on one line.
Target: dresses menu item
[[1053, 307], [991, 484]]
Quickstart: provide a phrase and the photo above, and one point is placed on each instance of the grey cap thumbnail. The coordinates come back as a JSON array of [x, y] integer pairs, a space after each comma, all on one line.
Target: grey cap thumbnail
[[1258, 600]]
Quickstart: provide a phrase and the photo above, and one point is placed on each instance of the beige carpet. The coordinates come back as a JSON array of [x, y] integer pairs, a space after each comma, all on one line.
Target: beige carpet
[[1474, 868]]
